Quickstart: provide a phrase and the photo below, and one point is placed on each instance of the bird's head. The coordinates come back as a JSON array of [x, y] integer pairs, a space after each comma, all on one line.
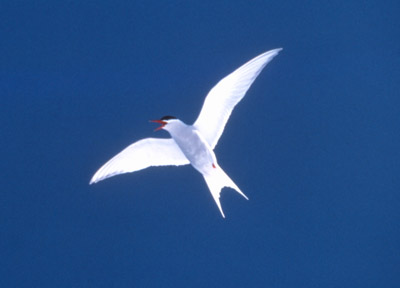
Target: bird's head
[[164, 121]]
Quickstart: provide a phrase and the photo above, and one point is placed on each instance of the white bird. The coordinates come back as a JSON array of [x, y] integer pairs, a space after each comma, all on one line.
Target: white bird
[[193, 144]]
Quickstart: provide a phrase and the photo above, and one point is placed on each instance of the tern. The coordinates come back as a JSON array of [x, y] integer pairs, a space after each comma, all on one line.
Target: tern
[[193, 144]]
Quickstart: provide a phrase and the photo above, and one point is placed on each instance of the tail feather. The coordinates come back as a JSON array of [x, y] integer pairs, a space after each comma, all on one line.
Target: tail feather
[[216, 180]]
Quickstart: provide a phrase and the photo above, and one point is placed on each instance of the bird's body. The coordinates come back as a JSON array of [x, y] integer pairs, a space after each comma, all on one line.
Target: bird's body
[[195, 143]]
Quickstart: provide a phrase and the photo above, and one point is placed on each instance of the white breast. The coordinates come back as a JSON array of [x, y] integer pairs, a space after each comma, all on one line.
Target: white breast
[[194, 146]]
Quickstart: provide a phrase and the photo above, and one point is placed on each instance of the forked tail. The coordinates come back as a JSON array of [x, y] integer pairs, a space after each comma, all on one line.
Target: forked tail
[[216, 180]]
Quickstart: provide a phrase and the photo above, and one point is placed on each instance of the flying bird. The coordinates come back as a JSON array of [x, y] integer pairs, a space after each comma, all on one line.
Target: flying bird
[[193, 144]]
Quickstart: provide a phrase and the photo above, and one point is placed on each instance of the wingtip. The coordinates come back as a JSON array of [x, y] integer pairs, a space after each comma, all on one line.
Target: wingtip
[[277, 50], [270, 54], [92, 181]]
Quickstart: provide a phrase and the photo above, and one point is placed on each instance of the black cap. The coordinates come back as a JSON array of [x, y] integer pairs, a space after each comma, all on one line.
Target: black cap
[[168, 117]]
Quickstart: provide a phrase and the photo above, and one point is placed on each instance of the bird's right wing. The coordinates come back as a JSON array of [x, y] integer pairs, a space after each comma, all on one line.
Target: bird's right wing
[[221, 100], [140, 155]]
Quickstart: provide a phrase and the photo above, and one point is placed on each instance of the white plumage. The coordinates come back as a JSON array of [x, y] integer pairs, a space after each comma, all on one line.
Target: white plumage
[[193, 144]]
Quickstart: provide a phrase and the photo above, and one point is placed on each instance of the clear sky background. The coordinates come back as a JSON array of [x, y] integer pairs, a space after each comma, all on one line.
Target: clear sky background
[[314, 144]]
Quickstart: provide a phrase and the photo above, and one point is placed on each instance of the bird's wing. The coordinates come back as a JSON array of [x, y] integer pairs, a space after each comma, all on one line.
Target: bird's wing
[[221, 100], [140, 155]]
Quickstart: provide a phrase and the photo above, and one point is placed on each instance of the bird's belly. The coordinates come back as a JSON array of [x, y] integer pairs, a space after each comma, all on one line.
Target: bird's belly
[[197, 151]]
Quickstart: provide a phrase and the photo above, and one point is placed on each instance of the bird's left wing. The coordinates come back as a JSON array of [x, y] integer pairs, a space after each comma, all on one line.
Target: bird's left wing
[[140, 155], [221, 100]]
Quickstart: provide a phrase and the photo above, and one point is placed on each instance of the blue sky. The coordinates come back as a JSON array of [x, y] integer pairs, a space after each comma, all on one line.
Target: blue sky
[[314, 144]]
